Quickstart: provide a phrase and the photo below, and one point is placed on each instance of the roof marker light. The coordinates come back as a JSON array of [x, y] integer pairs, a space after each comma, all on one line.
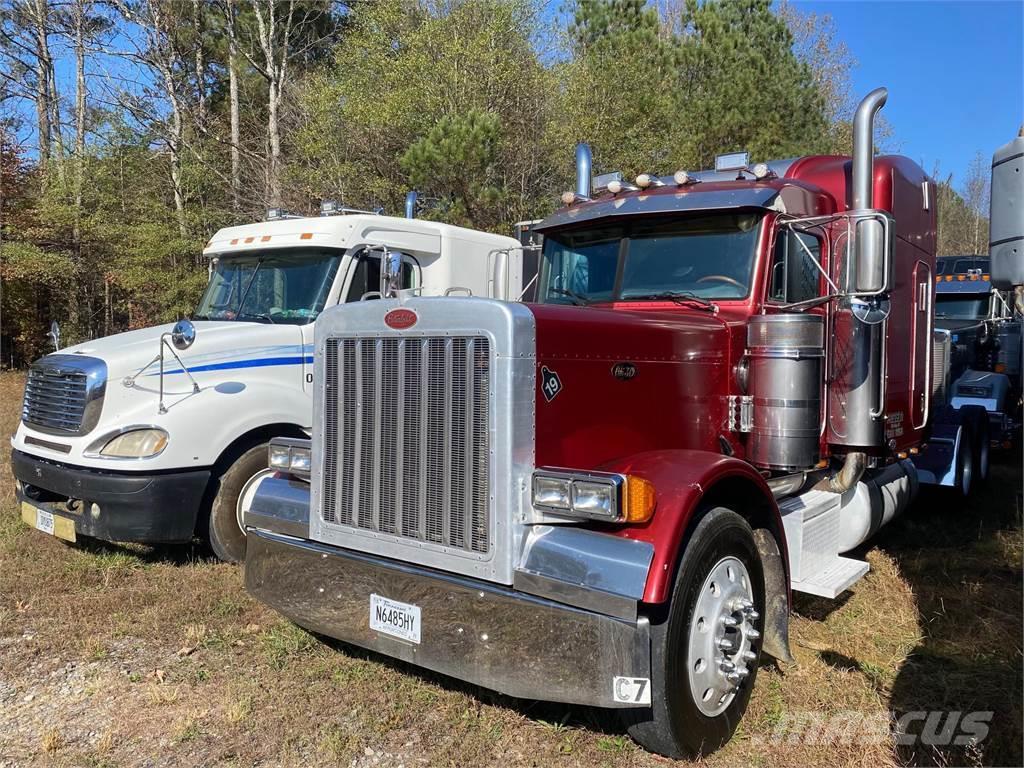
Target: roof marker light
[[761, 171], [568, 197], [682, 178], [645, 180]]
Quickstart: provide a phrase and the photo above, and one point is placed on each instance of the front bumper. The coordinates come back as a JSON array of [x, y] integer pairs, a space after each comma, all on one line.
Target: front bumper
[[151, 509], [499, 638]]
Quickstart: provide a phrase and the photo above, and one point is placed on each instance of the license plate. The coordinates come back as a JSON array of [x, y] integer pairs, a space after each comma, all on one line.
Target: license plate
[[391, 617], [47, 522]]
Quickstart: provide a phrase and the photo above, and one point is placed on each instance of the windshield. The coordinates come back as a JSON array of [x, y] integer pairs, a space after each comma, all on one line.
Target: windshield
[[961, 307], [281, 286], [710, 257]]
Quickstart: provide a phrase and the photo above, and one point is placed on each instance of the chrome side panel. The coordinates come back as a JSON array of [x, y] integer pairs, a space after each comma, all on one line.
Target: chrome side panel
[[281, 505], [482, 633], [584, 568], [510, 333]]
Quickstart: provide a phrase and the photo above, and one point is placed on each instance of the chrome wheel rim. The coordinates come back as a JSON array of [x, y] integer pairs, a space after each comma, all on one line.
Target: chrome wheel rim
[[721, 652], [246, 496]]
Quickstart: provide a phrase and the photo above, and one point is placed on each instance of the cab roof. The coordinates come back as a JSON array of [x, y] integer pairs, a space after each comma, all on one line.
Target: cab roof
[[342, 231]]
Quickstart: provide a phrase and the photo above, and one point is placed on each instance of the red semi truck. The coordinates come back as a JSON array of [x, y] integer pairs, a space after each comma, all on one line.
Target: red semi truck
[[606, 497]]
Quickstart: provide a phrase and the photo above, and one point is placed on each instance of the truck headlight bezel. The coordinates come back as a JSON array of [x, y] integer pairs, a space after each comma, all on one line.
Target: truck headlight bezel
[[291, 455], [604, 496], [139, 441]]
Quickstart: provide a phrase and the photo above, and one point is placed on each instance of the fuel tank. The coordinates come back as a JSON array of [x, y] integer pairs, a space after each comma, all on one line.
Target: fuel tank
[[616, 382]]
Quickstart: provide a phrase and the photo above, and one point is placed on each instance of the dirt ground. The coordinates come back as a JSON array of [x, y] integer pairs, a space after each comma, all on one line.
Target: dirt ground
[[113, 655]]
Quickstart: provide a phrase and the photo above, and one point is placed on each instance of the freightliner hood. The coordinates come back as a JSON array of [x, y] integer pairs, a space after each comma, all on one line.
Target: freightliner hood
[[248, 374], [627, 381]]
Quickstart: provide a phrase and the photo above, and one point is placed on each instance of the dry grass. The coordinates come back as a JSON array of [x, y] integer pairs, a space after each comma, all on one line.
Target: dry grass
[[116, 655]]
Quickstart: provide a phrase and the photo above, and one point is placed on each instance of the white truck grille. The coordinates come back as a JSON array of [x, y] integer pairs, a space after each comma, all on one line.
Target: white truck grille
[[406, 438]]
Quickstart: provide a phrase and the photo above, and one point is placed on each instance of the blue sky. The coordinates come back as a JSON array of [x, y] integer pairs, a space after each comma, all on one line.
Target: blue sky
[[954, 70]]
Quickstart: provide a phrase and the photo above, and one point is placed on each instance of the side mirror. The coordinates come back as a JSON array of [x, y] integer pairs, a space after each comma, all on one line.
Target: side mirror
[[872, 256], [390, 273], [183, 334]]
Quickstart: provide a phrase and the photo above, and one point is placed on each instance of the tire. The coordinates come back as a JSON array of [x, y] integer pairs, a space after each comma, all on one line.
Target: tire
[[978, 418], [223, 531], [682, 721], [965, 462]]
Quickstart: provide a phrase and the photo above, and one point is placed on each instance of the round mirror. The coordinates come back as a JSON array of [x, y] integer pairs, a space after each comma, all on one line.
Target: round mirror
[[183, 334]]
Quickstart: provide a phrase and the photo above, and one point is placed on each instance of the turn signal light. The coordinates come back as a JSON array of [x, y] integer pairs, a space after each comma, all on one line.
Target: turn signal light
[[640, 500]]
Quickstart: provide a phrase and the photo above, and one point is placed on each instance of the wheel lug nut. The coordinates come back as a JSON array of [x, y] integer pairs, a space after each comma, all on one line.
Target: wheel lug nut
[[752, 615], [725, 644], [729, 621], [734, 678], [726, 665], [753, 634], [749, 656]]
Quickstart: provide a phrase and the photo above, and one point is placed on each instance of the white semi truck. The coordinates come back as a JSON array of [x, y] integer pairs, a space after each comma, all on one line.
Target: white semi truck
[[155, 435]]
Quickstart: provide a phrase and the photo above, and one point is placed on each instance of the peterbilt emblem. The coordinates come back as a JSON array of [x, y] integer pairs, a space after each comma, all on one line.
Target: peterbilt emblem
[[400, 319], [623, 371], [550, 384]]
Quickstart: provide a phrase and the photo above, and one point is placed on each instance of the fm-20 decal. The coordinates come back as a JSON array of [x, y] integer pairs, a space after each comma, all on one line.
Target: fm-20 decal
[[550, 384]]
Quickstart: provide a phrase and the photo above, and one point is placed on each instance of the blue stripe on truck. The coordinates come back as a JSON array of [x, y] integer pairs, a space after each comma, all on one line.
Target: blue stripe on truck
[[259, 362]]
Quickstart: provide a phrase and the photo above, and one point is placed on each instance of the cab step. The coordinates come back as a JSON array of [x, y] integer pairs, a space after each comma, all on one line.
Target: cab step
[[841, 574], [811, 523]]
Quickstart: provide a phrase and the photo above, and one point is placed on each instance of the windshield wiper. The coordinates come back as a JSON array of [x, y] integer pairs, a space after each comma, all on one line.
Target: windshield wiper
[[248, 285], [259, 315], [679, 297], [579, 301]]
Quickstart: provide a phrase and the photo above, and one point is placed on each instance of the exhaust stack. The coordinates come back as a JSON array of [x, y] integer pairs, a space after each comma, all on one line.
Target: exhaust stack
[[584, 170], [410, 203], [863, 148], [856, 393]]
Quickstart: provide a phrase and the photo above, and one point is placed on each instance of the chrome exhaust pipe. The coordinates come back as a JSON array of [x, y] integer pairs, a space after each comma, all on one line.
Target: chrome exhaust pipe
[[864, 148], [584, 170], [410, 203], [850, 473]]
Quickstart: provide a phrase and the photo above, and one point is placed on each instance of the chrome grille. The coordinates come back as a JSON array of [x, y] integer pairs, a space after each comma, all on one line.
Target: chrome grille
[[55, 399], [406, 438]]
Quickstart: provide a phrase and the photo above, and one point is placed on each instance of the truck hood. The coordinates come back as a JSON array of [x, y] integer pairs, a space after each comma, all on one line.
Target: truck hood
[[615, 382], [219, 345]]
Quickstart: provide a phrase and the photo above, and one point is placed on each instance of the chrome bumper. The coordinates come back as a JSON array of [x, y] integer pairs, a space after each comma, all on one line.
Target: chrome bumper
[[482, 633]]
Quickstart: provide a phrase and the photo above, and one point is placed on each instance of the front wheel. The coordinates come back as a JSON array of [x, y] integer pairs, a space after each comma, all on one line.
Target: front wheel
[[224, 529], [704, 655]]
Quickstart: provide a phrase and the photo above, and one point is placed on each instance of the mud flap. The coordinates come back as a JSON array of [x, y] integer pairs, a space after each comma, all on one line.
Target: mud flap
[[776, 597]]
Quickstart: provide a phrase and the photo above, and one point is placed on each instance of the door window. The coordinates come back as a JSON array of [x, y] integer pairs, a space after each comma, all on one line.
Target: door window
[[795, 275], [366, 277]]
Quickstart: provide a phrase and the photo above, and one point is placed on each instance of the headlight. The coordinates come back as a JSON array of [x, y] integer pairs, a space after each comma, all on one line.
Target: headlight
[[136, 444], [594, 495], [551, 492], [292, 456]]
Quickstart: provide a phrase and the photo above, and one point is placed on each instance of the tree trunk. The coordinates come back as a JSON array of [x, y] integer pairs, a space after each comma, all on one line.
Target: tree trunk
[[274, 137], [42, 72], [236, 160], [78, 15], [197, 26]]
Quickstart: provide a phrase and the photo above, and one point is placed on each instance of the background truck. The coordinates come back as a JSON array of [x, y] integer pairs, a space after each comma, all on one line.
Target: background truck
[[606, 497], [154, 435]]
